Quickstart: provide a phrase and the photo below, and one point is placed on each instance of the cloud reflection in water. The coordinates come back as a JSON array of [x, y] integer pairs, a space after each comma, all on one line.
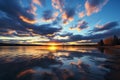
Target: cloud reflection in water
[[40, 63]]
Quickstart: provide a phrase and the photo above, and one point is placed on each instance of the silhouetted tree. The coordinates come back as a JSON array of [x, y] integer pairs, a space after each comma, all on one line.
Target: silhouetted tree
[[101, 43], [115, 40], [119, 41]]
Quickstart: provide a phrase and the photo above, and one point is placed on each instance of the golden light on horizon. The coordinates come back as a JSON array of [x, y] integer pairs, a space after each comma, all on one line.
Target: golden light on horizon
[[51, 43], [52, 47]]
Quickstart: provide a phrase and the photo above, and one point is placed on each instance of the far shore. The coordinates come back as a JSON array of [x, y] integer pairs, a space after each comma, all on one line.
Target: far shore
[[117, 46], [94, 45]]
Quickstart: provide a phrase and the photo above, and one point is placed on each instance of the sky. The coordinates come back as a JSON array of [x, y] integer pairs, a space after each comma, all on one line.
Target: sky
[[63, 21]]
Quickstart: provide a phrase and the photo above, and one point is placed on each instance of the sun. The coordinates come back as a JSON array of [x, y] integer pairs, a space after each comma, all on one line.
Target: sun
[[52, 48]]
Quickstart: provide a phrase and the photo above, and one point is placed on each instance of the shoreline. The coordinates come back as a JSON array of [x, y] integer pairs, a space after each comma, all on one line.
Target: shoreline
[[115, 47]]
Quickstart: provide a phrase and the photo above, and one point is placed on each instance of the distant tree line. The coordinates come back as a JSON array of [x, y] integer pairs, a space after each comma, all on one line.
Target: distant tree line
[[110, 41]]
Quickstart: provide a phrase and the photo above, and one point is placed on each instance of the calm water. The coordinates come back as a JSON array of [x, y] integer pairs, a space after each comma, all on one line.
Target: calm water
[[59, 63]]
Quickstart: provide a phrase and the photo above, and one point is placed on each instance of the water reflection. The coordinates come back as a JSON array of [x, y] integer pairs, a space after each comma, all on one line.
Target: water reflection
[[112, 63], [58, 63]]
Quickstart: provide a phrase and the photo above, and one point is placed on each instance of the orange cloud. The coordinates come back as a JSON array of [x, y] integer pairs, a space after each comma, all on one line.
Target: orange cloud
[[58, 4], [90, 9], [34, 7], [10, 32], [29, 71], [66, 18], [37, 2], [33, 10], [93, 7], [27, 20], [81, 14]]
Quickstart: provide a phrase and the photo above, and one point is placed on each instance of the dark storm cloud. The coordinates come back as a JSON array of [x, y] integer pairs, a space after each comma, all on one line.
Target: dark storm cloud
[[13, 9], [105, 34], [45, 29], [17, 20], [8, 28], [94, 37], [106, 26], [7, 23]]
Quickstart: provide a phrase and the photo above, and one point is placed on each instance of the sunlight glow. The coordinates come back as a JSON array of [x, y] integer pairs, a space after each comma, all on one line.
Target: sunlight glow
[[52, 48]]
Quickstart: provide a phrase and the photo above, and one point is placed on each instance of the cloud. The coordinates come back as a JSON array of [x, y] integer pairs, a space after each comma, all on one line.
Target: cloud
[[66, 34], [32, 9], [83, 41], [81, 14], [52, 16], [96, 36], [25, 19], [92, 37], [11, 27], [107, 26], [33, 6], [68, 15], [60, 38], [29, 71], [94, 6], [15, 28], [67, 12], [7, 23], [39, 2], [14, 9], [47, 16], [45, 29], [7, 32], [70, 38], [76, 37], [58, 4], [80, 25], [19, 22], [105, 34]]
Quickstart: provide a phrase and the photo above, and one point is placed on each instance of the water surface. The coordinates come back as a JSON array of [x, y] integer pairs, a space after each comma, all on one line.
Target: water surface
[[59, 63]]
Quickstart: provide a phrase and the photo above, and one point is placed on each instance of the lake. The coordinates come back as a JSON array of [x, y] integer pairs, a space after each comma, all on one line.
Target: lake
[[59, 63]]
